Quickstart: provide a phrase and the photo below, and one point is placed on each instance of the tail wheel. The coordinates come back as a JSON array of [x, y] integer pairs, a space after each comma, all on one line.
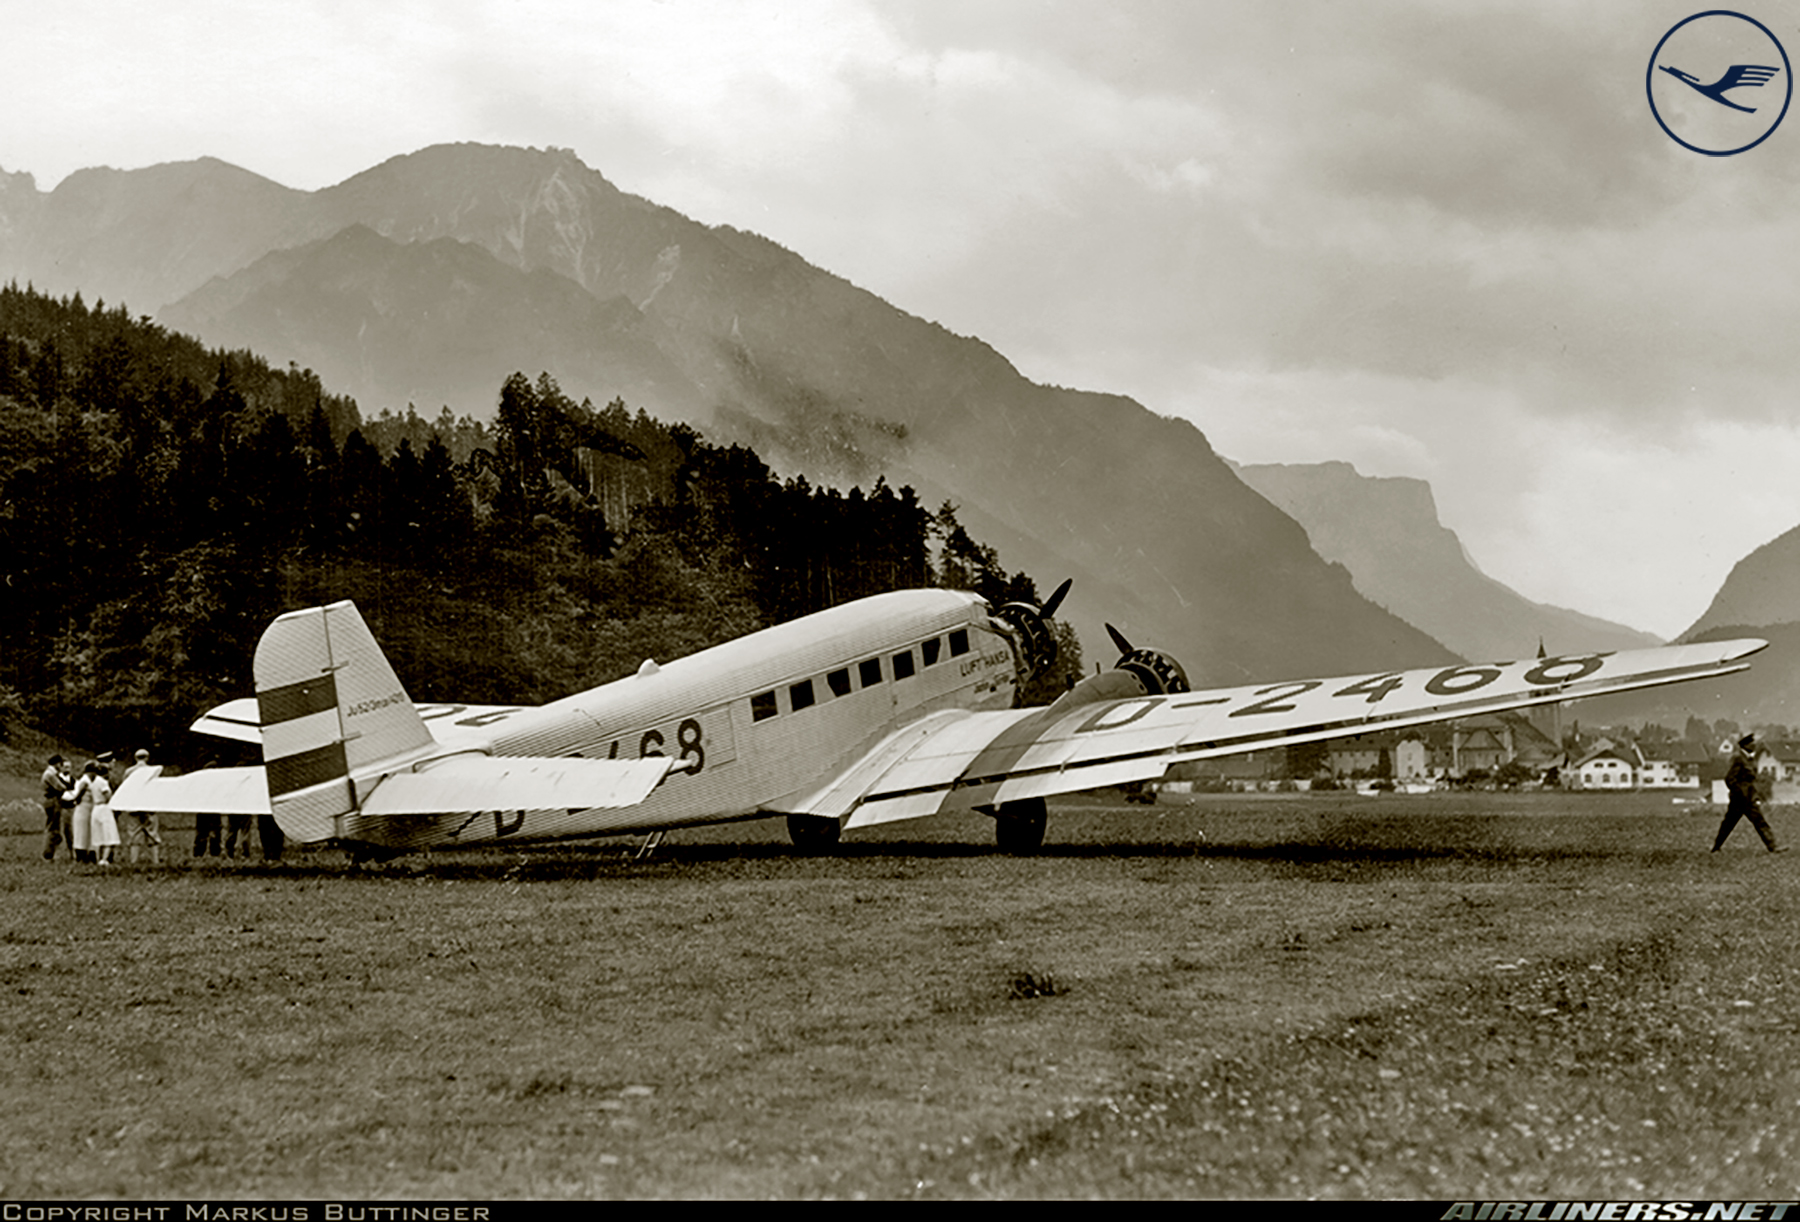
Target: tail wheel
[[1019, 826], [814, 833]]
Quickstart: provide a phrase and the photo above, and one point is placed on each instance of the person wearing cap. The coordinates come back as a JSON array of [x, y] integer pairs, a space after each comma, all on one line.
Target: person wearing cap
[[141, 827], [1740, 783]]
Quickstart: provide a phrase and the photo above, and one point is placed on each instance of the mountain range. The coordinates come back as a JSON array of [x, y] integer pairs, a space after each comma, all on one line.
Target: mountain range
[[429, 278]]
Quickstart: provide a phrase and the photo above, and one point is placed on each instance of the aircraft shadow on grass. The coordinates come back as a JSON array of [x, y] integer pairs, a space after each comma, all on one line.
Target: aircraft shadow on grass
[[851, 862]]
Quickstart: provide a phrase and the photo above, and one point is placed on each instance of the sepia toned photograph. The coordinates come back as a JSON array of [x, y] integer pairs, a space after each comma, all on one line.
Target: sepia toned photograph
[[896, 600]]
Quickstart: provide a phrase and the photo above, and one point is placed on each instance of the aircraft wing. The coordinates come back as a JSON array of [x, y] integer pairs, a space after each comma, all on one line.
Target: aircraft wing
[[951, 762]]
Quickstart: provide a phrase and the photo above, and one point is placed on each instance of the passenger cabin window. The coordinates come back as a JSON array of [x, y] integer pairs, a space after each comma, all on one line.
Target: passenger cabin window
[[930, 651], [870, 672], [762, 706], [903, 665], [801, 695], [959, 642], [839, 682]]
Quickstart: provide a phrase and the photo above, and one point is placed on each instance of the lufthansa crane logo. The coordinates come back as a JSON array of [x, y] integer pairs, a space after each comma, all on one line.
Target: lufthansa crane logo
[[1719, 83]]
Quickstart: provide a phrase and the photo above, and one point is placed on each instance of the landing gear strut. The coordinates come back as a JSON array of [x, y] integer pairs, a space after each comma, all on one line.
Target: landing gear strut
[[1019, 826], [814, 833]]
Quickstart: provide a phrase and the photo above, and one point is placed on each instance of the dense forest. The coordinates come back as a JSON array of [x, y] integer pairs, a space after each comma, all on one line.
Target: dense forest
[[161, 502]]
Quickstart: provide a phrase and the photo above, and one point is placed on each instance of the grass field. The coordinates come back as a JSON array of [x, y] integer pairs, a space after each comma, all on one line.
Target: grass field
[[1318, 995]]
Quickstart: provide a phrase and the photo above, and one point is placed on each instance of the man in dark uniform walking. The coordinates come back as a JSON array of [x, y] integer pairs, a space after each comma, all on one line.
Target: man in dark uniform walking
[[1740, 783]]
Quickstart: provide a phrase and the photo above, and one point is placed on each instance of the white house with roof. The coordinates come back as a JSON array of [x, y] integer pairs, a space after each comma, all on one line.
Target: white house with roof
[[1607, 766]]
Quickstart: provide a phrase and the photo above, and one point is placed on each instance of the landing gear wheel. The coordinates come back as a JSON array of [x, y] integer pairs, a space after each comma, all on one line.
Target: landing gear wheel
[[1019, 826], [814, 833]]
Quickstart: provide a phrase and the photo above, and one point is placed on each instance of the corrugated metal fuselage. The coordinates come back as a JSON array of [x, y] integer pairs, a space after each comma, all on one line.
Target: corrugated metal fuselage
[[767, 717]]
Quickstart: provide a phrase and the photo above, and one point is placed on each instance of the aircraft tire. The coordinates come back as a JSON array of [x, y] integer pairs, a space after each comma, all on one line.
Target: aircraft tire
[[1019, 826], [814, 833]]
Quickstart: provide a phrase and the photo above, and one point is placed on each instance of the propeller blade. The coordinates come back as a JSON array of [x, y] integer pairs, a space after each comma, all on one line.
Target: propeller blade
[[1119, 640], [1055, 600]]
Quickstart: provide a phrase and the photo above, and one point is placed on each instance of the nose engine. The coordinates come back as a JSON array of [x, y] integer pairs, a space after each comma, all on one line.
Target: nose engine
[[1028, 628]]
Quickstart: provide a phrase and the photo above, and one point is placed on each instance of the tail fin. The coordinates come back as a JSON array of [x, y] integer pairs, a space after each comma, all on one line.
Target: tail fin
[[330, 706]]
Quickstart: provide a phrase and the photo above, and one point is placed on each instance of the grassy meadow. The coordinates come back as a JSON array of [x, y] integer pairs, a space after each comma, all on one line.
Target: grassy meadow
[[1247, 996]]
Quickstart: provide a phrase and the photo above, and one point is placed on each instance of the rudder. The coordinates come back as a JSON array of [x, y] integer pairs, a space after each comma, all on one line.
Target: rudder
[[331, 706]]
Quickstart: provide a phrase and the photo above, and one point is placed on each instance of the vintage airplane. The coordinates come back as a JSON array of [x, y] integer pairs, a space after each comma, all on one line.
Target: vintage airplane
[[891, 707]]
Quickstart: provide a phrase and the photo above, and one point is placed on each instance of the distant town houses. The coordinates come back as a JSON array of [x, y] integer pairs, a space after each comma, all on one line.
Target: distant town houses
[[1610, 765], [1510, 748], [1476, 748]]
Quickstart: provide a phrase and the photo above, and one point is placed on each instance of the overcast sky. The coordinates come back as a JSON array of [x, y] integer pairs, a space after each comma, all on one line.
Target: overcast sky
[[1443, 241]]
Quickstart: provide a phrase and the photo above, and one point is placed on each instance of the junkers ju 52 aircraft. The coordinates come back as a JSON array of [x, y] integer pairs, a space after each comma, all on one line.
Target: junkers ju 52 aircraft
[[892, 707]]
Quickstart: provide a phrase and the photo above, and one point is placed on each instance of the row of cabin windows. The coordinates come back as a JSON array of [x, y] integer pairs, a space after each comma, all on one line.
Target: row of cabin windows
[[803, 695]]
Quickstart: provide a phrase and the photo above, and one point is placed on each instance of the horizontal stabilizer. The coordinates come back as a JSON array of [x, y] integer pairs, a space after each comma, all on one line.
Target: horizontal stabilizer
[[214, 791], [469, 784], [462, 726], [235, 719]]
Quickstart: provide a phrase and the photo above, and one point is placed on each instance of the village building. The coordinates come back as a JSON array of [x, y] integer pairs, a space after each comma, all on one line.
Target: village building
[[1399, 755], [1673, 765], [1605, 766], [1481, 745]]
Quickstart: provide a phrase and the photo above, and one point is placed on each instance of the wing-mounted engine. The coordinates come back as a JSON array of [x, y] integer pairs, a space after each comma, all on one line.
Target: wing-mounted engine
[[1138, 672], [1029, 629], [1160, 674]]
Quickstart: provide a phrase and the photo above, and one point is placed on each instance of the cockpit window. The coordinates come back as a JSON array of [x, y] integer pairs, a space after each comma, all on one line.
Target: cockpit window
[[959, 642]]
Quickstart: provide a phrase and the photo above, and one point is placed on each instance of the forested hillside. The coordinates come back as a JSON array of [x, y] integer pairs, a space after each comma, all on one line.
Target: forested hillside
[[431, 277], [162, 502]]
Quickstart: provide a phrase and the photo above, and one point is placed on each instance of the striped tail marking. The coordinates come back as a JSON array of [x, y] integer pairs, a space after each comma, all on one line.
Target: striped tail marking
[[331, 707]]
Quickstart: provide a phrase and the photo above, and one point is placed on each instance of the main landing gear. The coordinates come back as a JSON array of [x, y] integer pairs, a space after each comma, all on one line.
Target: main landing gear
[[1019, 826], [814, 833]]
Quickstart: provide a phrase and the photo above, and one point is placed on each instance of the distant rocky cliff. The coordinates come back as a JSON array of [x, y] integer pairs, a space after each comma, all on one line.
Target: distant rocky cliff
[[1387, 533]]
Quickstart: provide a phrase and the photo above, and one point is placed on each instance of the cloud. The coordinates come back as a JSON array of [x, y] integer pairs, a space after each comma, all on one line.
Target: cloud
[[1432, 237]]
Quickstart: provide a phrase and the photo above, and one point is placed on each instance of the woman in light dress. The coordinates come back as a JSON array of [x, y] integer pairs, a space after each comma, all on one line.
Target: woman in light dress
[[81, 818], [94, 792]]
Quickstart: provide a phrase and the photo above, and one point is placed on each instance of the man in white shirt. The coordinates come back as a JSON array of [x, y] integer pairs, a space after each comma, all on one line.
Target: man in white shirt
[[142, 826]]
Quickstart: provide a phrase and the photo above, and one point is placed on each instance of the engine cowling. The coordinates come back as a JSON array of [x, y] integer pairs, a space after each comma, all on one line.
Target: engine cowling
[[1159, 672], [1138, 672]]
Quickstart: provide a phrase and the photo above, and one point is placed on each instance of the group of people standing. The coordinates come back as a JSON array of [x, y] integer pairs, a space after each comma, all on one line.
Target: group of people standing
[[78, 813], [78, 810]]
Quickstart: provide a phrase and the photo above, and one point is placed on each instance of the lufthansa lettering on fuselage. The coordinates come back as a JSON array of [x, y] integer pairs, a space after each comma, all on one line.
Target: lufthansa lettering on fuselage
[[980, 661]]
